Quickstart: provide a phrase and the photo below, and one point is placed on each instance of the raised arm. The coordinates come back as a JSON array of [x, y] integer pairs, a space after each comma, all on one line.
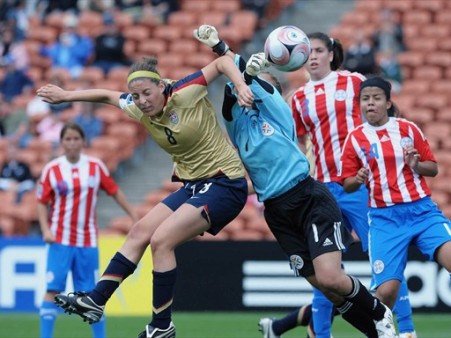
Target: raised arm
[[54, 94]]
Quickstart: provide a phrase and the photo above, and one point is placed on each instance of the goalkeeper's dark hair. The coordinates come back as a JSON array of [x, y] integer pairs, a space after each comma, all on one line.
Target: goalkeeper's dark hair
[[274, 81], [333, 45], [148, 63]]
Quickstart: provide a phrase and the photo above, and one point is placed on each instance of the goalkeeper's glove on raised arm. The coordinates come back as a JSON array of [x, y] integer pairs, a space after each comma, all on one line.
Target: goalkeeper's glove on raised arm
[[256, 64], [208, 35]]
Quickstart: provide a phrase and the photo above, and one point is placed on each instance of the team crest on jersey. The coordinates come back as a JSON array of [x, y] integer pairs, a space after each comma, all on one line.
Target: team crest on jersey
[[267, 129], [406, 141], [378, 266], [173, 117], [340, 95]]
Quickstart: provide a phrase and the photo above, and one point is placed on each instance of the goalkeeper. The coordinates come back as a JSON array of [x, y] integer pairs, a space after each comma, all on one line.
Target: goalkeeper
[[301, 212]]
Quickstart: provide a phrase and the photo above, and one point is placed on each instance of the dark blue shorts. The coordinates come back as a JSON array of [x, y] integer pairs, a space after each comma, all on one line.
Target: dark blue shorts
[[221, 197]]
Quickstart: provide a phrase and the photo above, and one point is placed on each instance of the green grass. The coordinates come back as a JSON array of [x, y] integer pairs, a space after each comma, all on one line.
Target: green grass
[[199, 325]]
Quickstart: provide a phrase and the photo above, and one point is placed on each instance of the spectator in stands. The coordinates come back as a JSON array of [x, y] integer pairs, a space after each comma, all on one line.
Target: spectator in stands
[[16, 175], [69, 186], [109, 46], [390, 69], [45, 7], [71, 51], [15, 82], [17, 19], [214, 185], [389, 36], [13, 50], [88, 121], [360, 57], [392, 157], [286, 191]]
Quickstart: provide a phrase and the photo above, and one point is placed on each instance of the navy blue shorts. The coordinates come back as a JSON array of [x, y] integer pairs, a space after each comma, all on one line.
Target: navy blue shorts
[[221, 197]]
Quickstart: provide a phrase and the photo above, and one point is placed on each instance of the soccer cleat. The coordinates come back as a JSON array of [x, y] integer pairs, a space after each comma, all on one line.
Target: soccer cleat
[[408, 335], [155, 332], [81, 304], [265, 327], [385, 327]]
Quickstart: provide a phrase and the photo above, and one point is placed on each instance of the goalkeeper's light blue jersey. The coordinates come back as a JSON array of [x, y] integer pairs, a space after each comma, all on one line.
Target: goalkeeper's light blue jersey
[[266, 139]]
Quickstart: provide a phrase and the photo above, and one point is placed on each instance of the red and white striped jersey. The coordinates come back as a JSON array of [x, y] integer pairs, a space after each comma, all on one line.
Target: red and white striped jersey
[[381, 150], [71, 189], [327, 110]]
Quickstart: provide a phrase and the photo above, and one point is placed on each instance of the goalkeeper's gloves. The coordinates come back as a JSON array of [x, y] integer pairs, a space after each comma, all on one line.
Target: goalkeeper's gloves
[[256, 64], [209, 35]]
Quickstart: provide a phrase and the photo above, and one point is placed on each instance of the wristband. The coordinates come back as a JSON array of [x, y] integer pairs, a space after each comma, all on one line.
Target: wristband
[[247, 78], [220, 48]]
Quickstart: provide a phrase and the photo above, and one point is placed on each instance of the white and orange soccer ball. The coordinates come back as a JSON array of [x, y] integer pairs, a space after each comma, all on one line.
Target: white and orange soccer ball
[[287, 48]]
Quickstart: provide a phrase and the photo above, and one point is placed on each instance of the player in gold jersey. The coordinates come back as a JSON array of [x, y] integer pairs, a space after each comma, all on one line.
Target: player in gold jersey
[[181, 119]]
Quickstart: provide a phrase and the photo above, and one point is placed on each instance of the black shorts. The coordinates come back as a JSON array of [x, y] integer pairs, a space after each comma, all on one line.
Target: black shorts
[[307, 223]]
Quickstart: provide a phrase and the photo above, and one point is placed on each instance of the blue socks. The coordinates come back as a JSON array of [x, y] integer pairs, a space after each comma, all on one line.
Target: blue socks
[[48, 313], [403, 309], [322, 309]]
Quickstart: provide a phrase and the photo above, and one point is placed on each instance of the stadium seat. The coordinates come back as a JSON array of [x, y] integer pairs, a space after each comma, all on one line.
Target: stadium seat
[[184, 46], [123, 19], [118, 74], [434, 101], [435, 6], [441, 59], [91, 74], [427, 73], [183, 18], [437, 30], [418, 17], [151, 47], [136, 33], [214, 18], [196, 6], [246, 22], [411, 59], [443, 16], [415, 86], [422, 44], [167, 32], [228, 6], [421, 116], [199, 60], [180, 72]]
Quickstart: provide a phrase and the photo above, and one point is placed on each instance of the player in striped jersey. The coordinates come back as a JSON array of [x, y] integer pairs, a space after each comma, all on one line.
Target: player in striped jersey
[[301, 212], [392, 157], [181, 119], [68, 188], [325, 109]]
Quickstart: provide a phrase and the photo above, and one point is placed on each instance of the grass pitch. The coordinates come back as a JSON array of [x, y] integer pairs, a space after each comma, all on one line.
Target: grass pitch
[[200, 325]]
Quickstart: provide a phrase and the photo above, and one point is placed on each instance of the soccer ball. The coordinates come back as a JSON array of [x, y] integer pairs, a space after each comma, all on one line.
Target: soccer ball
[[287, 48]]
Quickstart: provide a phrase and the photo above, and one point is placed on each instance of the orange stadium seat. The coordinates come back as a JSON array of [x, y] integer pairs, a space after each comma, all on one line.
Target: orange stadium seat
[[411, 58], [443, 17], [184, 46], [167, 32], [123, 19], [418, 17], [422, 44], [136, 33], [180, 72], [196, 6], [183, 18], [246, 22], [152, 47], [118, 74], [415, 87], [419, 115], [199, 60], [228, 6], [214, 18], [91, 74], [434, 101], [437, 30], [427, 73], [430, 5], [441, 59]]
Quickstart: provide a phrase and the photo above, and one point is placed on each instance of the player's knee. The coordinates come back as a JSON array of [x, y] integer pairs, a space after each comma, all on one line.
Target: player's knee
[[329, 282], [387, 294]]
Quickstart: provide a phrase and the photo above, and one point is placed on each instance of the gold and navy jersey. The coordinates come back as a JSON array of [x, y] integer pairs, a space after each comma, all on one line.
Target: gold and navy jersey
[[189, 131]]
